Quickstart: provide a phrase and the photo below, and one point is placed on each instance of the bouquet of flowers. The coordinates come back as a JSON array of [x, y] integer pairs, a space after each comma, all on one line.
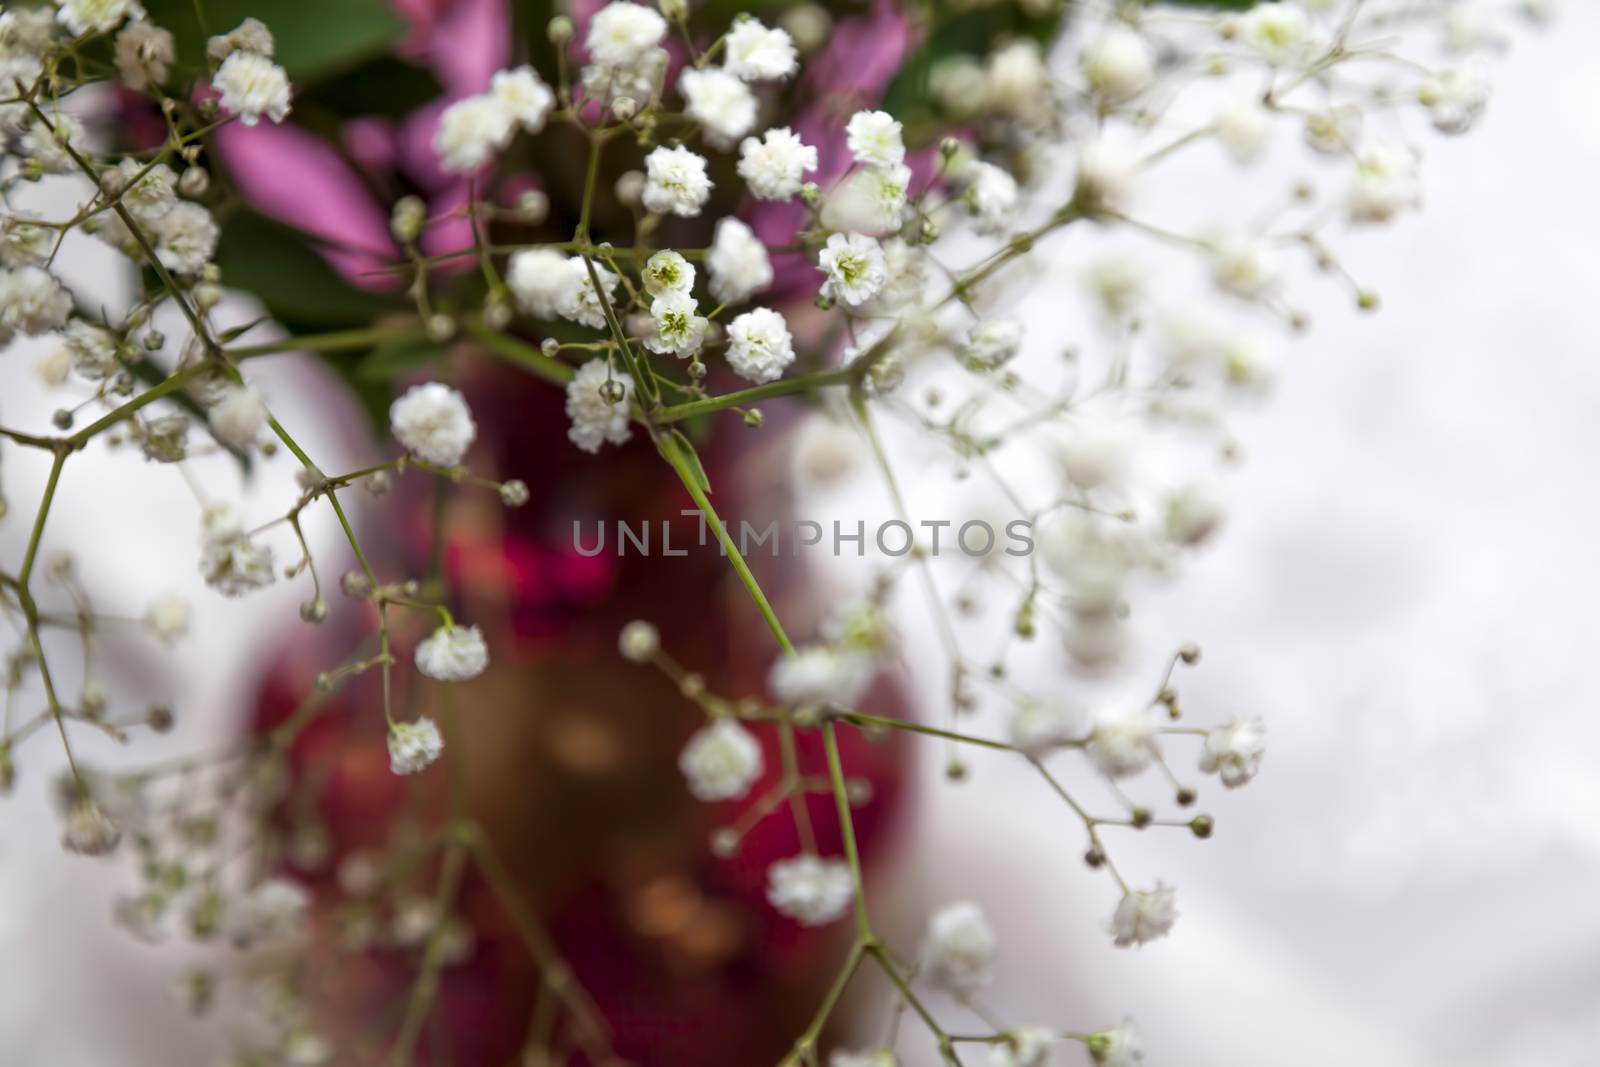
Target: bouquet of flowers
[[518, 790]]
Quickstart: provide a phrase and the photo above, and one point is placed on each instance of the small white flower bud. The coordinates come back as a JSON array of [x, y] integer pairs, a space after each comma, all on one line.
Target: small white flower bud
[[639, 641]]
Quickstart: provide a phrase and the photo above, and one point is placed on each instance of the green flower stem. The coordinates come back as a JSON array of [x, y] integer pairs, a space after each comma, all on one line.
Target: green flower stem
[[782, 387], [520, 353], [334, 341]]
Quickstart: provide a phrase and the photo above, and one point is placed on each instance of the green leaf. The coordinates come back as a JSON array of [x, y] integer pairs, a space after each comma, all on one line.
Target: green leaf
[[383, 85], [279, 266], [315, 38], [395, 358], [691, 461]]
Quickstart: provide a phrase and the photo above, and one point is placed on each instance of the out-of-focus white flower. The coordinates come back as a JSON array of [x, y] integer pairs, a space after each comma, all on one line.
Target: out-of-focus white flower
[[854, 268], [229, 561], [720, 102], [238, 416], [24, 243], [96, 16], [1192, 513], [1119, 66], [524, 96], [251, 86], [1026, 1046], [46, 147], [678, 329], [810, 890], [758, 53], [144, 55], [958, 85], [148, 192], [542, 281], [186, 238], [1385, 184], [1455, 98], [1279, 33], [993, 342], [272, 910], [1244, 267], [453, 654], [667, 272], [775, 165], [88, 832], [960, 949], [871, 200], [251, 35], [760, 347], [1038, 726], [621, 33], [738, 262], [32, 301], [582, 303], [1095, 452], [1107, 169], [167, 618], [675, 182], [993, 195], [721, 761], [471, 131], [595, 418], [1234, 752], [1243, 125], [434, 423], [1333, 131], [1019, 83], [639, 641], [874, 138], [413, 746], [1122, 1047], [816, 674], [1122, 741], [878, 1057], [1144, 915]]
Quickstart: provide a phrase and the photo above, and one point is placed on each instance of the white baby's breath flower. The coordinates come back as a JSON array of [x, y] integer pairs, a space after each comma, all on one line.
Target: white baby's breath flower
[[1244, 267], [434, 423], [47, 147], [817, 674], [1119, 66], [148, 192], [1040, 726], [678, 329], [186, 238], [737, 262], [810, 890], [24, 243], [960, 950], [413, 746], [92, 349], [667, 272], [453, 654], [720, 102], [1455, 99], [471, 131], [621, 33], [993, 196], [238, 416], [1234, 752], [993, 342], [759, 345], [874, 138], [1192, 513], [1019, 83], [1122, 741], [270, 911], [1243, 125], [542, 281], [167, 618], [32, 301], [1279, 33], [871, 200], [524, 96], [1385, 184], [251, 35], [1333, 131], [96, 16], [1026, 1046], [639, 641], [582, 302], [595, 418], [1144, 915], [251, 86], [675, 182], [721, 761], [229, 561], [1122, 1047], [144, 54], [775, 165], [853, 267], [88, 832], [1107, 169], [758, 53]]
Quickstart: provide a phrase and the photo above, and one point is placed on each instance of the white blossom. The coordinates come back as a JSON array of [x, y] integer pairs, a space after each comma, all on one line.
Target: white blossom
[[251, 35], [1019, 83], [871, 200], [992, 343], [229, 561], [816, 674], [667, 272], [737, 262], [774, 166], [1385, 184], [1333, 131], [1122, 741], [88, 832], [524, 96], [621, 33], [1144, 915], [148, 192], [960, 950], [583, 303], [874, 138], [1192, 513], [434, 423], [759, 345], [1119, 66], [96, 16], [1026, 1046], [1455, 99], [1122, 1047], [238, 416], [413, 746], [721, 761], [144, 55], [47, 147], [1107, 169], [720, 102], [167, 618], [993, 196], [32, 301], [675, 182], [93, 349], [24, 243], [595, 420], [1233, 752], [1279, 33], [1243, 125], [1244, 267], [810, 890], [471, 131], [678, 329], [24, 36], [251, 86], [639, 641], [853, 267], [186, 238], [453, 653], [541, 281], [1038, 726], [756, 52], [271, 910]]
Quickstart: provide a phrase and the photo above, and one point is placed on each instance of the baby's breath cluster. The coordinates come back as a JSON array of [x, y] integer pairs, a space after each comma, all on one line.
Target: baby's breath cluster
[[889, 258]]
